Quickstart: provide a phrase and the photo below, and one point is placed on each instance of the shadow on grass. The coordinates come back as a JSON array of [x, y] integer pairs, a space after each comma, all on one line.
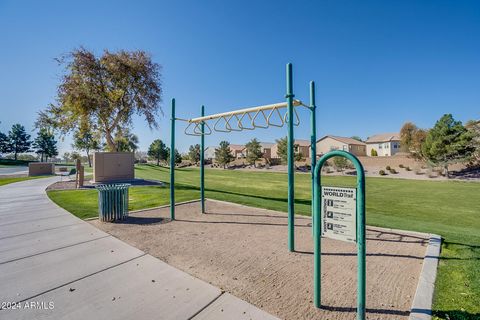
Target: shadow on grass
[[463, 251], [269, 198], [456, 315]]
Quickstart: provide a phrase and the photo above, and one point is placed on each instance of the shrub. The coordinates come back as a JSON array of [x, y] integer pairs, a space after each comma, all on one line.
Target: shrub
[[382, 173], [374, 153], [388, 168], [393, 171], [401, 166], [408, 169]]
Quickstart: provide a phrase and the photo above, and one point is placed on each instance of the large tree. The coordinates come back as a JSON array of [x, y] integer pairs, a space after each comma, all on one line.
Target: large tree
[[412, 138], [19, 140], [158, 151], [474, 127], [85, 140], [178, 156], [417, 141], [105, 92], [447, 142], [223, 154], [282, 150], [45, 145], [407, 134], [254, 151], [5, 145], [194, 153], [126, 141]]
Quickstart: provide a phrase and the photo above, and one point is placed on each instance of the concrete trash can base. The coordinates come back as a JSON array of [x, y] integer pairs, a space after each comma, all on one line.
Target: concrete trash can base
[[112, 202]]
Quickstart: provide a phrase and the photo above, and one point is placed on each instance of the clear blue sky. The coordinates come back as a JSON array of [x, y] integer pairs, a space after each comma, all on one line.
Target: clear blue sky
[[377, 64]]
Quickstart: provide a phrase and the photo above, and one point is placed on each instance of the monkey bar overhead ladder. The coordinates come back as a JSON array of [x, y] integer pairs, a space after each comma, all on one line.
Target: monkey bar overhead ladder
[[263, 117]]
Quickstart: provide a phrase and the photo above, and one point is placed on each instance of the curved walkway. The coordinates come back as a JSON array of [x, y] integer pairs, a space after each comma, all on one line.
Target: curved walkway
[[56, 266]]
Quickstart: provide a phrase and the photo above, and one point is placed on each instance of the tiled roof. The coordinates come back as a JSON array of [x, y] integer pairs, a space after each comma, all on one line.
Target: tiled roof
[[238, 147], [345, 140], [267, 145], [302, 143], [384, 137]]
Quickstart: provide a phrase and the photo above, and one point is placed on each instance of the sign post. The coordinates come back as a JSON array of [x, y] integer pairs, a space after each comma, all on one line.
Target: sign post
[[339, 213]]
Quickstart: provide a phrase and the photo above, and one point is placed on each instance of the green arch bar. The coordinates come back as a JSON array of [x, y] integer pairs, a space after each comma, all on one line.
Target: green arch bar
[[361, 255]]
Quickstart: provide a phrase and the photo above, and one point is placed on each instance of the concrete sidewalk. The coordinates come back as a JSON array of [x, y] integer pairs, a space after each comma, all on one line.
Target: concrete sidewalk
[[56, 266]]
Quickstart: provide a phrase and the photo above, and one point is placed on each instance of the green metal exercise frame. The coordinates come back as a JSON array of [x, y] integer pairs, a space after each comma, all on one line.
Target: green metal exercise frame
[[317, 222], [199, 129]]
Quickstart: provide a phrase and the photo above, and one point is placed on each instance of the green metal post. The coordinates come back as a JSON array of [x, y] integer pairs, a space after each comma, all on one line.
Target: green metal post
[[291, 164], [172, 163], [361, 242], [361, 246], [202, 163], [313, 141]]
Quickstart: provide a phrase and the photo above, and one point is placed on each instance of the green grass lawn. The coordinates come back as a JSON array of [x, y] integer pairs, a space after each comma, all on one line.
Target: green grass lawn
[[450, 208], [4, 181], [139, 198]]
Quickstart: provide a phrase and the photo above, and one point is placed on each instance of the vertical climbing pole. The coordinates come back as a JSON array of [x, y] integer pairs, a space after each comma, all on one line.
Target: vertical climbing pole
[[313, 140], [202, 162], [172, 163], [290, 160]]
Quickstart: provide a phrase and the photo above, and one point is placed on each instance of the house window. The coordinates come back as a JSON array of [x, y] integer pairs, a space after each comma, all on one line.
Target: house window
[[333, 148], [380, 146], [345, 148]]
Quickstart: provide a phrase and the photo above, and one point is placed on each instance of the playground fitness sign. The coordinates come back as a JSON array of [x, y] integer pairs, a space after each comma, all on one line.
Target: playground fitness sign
[[339, 215]]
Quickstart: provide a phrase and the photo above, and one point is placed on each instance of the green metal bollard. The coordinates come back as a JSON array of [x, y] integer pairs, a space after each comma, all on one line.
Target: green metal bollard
[[361, 241]]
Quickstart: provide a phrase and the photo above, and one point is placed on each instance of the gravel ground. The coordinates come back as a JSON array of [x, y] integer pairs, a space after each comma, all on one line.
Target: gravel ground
[[243, 251]]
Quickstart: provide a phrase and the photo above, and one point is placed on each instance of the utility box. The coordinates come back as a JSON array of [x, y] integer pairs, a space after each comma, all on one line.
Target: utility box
[[41, 169], [113, 166]]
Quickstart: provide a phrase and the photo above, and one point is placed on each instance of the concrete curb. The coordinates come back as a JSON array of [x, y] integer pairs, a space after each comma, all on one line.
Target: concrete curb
[[422, 302]]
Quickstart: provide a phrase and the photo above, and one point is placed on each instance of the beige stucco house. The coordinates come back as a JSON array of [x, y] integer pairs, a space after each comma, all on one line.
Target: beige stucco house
[[266, 148], [330, 143], [238, 150], [302, 146], [209, 152], [385, 144]]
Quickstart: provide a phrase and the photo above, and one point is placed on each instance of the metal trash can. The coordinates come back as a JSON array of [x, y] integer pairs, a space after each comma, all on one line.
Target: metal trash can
[[112, 201]]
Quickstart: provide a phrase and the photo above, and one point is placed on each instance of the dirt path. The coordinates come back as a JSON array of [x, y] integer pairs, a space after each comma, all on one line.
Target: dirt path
[[243, 250]]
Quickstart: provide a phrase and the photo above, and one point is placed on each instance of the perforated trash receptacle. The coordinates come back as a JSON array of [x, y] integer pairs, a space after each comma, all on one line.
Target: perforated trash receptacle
[[112, 201]]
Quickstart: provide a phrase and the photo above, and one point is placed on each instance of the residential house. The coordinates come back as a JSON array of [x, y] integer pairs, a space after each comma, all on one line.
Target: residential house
[[385, 144], [302, 146], [209, 153], [238, 150], [329, 143], [267, 149]]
